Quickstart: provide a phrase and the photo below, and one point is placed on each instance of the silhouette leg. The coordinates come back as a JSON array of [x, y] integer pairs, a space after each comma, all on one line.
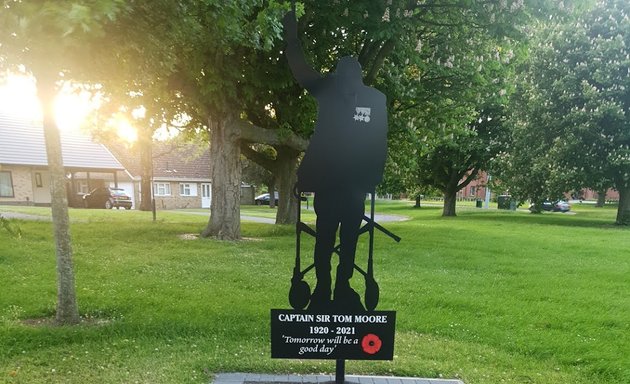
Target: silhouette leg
[[352, 213], [351, 219], [326, 226]]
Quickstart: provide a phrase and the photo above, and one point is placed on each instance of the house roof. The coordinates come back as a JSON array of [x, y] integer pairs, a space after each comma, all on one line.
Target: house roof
[[22, 143], [171, 161]]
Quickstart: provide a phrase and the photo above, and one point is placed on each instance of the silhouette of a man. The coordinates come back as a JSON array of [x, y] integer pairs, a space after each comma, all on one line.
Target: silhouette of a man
[[344, 161]]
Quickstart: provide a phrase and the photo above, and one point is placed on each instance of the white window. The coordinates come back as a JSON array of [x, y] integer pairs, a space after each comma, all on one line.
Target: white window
[[162, 189], [187, 189], [6, 184]]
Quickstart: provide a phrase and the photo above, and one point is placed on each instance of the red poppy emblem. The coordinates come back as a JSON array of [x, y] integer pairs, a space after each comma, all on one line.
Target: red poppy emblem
[[371, 343]]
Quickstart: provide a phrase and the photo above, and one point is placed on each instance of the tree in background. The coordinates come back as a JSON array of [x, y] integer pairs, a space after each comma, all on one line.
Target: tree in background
[[448, 89], [136, 56], [48, 39], [574, 132], [214, 78], [257, 175]]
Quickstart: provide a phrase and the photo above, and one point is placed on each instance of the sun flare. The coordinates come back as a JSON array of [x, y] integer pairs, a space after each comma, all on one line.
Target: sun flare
[[126, 131], [18, 97], [73, 108]]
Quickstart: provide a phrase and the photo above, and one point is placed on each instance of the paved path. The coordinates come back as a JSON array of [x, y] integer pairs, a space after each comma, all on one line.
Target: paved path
[[23, 216], [253, 378], [256, 219], [266, 220], [377, 218]]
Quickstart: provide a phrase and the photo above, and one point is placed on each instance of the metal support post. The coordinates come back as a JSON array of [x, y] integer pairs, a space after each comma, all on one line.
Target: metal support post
[[340, 372]]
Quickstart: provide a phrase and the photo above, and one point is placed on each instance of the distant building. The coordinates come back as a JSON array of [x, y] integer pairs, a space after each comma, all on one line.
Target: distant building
[[589, 194], [476, 189], [181, 175], [24, 174]]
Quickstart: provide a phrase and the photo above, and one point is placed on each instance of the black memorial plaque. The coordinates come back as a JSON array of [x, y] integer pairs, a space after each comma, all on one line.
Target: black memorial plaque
[[351, 336]]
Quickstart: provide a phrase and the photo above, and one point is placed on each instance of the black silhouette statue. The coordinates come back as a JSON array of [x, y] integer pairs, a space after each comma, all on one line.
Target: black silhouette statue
[[344, 161]]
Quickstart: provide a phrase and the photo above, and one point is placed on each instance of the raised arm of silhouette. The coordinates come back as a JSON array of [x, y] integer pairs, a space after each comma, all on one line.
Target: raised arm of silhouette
[[305, 75]]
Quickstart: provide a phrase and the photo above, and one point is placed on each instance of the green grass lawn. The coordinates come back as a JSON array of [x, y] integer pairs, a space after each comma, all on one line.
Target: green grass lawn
[[488, 296]]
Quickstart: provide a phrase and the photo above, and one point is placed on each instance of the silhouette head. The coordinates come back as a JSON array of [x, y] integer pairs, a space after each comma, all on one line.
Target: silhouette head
[[349, 70]]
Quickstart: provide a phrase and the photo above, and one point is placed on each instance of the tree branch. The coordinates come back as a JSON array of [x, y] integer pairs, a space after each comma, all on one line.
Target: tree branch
[[254, 134], [367, 51], [258, 158], [472, 176], [382, 54]]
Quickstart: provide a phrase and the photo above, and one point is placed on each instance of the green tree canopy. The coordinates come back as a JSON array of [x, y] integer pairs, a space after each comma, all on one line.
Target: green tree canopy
[[448, 86], [48, 40], [575, 132]]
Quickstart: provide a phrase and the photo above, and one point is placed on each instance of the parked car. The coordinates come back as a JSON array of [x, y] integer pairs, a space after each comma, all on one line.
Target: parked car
[[108, 198], [558, 206], [264, 199]]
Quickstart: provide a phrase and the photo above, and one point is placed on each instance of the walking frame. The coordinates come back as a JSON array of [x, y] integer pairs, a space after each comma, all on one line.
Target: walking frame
[[299, 294]]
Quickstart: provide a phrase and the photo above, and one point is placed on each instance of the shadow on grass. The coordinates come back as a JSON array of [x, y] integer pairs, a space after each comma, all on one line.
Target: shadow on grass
[[604, 219], [551, 219]]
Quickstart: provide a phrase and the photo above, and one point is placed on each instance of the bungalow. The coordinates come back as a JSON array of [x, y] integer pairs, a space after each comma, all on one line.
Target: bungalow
[[24, 175], [181, 175]]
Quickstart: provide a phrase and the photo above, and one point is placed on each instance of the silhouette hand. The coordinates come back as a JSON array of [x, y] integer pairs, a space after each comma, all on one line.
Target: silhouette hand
[[290, 24]]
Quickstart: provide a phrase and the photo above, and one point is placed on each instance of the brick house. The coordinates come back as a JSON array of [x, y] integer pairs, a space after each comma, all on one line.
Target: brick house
[[181, 177], [24, 175], [181, 174], [476, 190]]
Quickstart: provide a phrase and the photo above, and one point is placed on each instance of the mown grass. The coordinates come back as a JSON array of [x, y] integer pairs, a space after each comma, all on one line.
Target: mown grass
[[488, 297]]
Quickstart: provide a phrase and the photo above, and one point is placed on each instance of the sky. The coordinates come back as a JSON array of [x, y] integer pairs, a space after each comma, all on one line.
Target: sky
[[18, 98]]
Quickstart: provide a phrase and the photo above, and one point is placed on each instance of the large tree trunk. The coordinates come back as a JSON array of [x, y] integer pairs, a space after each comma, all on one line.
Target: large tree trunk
[[225, 210], [288, 149], [450, 198], [67, 308], [146, 164], [601, 198], [287, 203], [453, 185], [623, 211]]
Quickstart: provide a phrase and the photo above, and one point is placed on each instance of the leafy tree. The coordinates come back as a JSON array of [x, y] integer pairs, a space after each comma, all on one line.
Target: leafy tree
[[214, 79], [448, 87], [136, 55], [453, 162], [576, 130], [48, 39], [273, 101], [231, 75]]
